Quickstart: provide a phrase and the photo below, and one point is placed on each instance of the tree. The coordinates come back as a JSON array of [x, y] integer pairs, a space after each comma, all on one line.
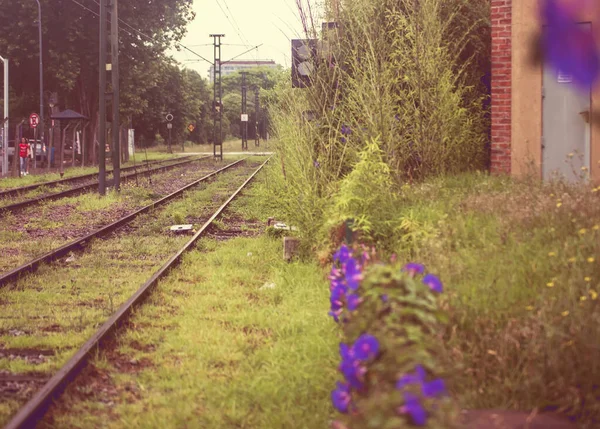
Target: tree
[[70, 35]]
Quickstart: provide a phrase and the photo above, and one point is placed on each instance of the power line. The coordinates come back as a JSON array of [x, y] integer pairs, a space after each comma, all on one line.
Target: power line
[[152, 39], [233, 22], [139, 33]]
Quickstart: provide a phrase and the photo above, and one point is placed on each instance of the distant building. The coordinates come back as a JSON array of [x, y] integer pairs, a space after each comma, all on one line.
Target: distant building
[[231, 67]]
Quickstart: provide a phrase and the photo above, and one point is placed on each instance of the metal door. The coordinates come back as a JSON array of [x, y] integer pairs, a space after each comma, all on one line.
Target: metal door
[[566, 132]]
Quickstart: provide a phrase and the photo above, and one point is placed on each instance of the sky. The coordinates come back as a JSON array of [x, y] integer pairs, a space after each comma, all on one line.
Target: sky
[[272, 23]]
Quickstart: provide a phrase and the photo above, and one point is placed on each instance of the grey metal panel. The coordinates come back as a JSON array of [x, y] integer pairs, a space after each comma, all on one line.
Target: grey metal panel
[[565, 129]]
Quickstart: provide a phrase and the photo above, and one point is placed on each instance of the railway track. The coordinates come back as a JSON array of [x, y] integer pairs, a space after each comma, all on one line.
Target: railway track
[[200, 207], [82, 242], [15, 207], [9, 193]]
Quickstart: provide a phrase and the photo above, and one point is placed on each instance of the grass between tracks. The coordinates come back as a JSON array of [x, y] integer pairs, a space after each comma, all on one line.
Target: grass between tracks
[[235, 337], [49, 225], [62, 304]]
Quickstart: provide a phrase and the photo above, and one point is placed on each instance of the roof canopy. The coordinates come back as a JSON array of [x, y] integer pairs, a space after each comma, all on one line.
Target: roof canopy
[[68, 115]]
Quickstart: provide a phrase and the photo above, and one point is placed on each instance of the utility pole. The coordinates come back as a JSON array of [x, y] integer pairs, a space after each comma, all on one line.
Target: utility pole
[[244, 112], [41, 124], [257, 114], [217, 97], [116, 137], [102, 106], [5, 123]]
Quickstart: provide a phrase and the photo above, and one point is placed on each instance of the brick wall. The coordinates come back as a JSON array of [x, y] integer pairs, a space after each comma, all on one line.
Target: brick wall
[[501, 18]]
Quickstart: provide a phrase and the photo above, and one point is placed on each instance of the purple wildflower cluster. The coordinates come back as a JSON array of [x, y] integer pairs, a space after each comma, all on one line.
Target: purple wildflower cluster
[[568, 47], [431, 281], [353, 366], [346, 275], [412, 403], [345, 278]]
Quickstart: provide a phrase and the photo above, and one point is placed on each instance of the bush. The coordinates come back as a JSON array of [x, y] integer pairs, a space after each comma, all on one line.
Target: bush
[[391, 326]]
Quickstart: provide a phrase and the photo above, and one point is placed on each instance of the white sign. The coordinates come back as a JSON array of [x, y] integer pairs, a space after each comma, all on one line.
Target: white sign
[[34, 120], [169, 126], [244, 117], [169, 117], [564, 78], [131, 141]]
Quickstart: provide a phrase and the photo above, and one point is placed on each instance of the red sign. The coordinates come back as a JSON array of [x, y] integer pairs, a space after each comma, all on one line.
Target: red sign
[[34, 120]]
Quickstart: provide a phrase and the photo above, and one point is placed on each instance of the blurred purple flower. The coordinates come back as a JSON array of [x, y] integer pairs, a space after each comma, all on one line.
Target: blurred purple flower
[[346, 130], [343, 140], [342, 254], [385, 298], [341, 397], [417, 378], [413, 268], [354, 373], [434, 388], [412, 406], [353, 301], [569, 47], [366, 347], [434, 283], [316, 164], [353, 274]]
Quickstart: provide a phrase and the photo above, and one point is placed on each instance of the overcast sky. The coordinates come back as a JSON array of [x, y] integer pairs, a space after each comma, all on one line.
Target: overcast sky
[[270, 22]]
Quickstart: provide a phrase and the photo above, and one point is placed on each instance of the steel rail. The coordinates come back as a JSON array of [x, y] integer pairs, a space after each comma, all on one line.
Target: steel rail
[[16, 191], [34, 410], [83, 188], [80, 243]]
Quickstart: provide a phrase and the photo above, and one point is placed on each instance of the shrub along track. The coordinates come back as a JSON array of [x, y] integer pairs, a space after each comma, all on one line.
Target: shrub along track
[[13, 203], [47, 315], [37, 230]]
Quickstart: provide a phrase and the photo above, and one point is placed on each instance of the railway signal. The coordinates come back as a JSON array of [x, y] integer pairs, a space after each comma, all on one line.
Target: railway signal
[[169, 118]]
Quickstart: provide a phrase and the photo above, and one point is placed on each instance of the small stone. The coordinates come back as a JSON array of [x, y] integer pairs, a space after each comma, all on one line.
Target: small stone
[[133, 361], [267, 286], [249, 254]]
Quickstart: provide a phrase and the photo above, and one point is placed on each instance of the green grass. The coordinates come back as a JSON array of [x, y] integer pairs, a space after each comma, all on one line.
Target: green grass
[[62, 304], [234, 355], [520, 261], [218, 350]]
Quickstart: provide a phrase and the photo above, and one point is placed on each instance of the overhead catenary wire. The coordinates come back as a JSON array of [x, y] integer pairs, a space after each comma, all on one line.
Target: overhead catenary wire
[[233, 21], [139, 33]]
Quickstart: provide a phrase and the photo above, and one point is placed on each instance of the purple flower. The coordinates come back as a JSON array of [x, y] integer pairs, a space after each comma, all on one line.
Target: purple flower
[[343, 140], [316, 164], [335, 314], [417, 378], [412, 406], [366, 347], [397, 117], [353, 274], [346, 130], [413, 268], [569, 47], [385, 298], [353, 301], [346, 352], [433, 283], [341, 397], [338, 292], [342, 255], [429, 389], [434, 388], [354, 373]]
